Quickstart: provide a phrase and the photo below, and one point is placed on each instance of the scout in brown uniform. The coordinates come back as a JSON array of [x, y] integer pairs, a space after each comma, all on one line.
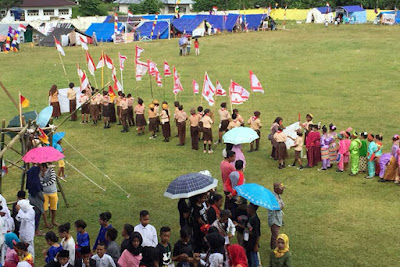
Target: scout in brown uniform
[[234, 123], [156, 110], [238, 116], [181, 118], [207, 131], [194, 129], [117, 102], [131, 121], [176, 104], [152, 121], [99, 99], [124, 113], [71, 95], [224, 117], [140, 119], [200, 113], [106, 109], [255, 124], [84, 106], [164, 116], [94, 110], [53, 99]]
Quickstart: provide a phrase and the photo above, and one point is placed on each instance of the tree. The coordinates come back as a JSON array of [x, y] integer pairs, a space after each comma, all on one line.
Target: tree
[[92, 8], [146, 6], [8, 4]]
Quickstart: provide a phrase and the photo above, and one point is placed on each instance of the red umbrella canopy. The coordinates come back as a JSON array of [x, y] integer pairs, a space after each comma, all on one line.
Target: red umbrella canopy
[[42, 155]]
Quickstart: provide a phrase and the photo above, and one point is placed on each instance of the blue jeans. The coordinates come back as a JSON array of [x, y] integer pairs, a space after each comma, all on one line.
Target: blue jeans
[[252, 258]]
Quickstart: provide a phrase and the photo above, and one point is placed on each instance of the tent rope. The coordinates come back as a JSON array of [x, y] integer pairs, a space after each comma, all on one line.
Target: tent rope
[[93, 182], [105, 175]]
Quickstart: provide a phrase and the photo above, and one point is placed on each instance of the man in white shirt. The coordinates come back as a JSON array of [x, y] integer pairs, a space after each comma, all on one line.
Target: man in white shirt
[[102, 259], [148, 232]]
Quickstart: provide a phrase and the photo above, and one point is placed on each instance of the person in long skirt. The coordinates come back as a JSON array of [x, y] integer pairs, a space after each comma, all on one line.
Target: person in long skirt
[[53, 99], [363, 152], [140, 119], [281, 152], [332, 146], [106, 109], [165, 125], [131, 121], [274, 128], [71, 95], [325, 142], [194, 129]]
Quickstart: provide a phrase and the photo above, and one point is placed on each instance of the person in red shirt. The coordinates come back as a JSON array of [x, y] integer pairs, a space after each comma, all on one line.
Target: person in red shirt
[[236, 178], [226, 169]]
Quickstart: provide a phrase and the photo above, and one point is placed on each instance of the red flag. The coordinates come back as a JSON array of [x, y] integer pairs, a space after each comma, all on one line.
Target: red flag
[[83, 43], [237, 89], [141, 69], [121, 61], [255, 84], [208, 90], [167, 71], [111, 93], [152, 68], [195, 87], [177, 83], [84, 81], [24, 101], [158, 79], [138, 52], [90, 63], [101, 62], [59, 47], [117, 84], [109, 62], [220, 91]]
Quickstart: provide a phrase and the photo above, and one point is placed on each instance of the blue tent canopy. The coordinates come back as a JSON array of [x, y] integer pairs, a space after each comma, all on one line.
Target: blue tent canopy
[[188, 16], [351, 9], [104, 31], [161, 26], [352, 14], [324, 9], [153, 17], [217, 21], [254, 20], [188, 25]]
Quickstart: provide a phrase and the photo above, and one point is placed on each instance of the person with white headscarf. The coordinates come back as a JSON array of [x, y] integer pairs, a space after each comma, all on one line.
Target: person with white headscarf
[[26, 215]]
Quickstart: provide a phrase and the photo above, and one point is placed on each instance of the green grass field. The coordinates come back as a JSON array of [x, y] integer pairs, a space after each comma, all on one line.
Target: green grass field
[[347, 75]]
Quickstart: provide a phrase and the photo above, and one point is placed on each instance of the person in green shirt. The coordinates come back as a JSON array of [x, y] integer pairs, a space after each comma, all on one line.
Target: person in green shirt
[[354, 149], [363, 152], [281, 256]]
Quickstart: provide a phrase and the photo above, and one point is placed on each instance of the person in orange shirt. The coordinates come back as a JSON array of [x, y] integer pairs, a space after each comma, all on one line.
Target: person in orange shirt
[[194, 129]]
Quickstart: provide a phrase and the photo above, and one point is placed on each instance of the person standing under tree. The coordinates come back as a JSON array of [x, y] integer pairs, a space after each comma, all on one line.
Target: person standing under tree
[[71, 95]]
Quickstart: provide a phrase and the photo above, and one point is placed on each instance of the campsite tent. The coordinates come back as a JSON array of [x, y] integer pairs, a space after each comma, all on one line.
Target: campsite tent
[[388, 18], [220, 22], [254, 21], [67, 34], [30, 34], [161, 29], [351, 14], [104, 31], [193, 27], [320, 15]]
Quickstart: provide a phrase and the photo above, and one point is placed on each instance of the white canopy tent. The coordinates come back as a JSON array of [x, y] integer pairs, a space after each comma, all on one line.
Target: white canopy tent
[[320, 15]]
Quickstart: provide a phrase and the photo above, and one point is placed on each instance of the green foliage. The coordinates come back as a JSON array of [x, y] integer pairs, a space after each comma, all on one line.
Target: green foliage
[[7, 4], [92, 8], [146, 7]]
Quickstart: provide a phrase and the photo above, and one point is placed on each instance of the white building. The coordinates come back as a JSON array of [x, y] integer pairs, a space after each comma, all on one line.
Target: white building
[[169, 6], [44, 10]]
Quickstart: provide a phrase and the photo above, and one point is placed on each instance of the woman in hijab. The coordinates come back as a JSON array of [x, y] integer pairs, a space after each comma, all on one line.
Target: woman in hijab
[[36, 198], [281, 256], [11, 259], [237, 256], [131, 256], [53, 99], [274, 128]]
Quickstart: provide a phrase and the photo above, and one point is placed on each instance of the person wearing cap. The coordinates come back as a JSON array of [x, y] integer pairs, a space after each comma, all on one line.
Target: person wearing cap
[[165, 126], [156, 110], [124, 113], [224, 117], [275, 217], [130, 99], [194, 129], [140, 119], [152, 121], [354, 149], [181, 118], [255, 124], [71, 95]]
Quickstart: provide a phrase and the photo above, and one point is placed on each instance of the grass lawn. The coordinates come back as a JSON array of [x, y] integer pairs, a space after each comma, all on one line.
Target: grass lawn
[[347, 75]]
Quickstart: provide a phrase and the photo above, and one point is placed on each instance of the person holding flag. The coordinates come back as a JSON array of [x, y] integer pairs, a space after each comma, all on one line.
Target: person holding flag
[[224, 121], [71, 95]]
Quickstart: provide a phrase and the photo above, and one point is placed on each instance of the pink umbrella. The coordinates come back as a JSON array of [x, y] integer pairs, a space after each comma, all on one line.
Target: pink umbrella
[[42, 155]]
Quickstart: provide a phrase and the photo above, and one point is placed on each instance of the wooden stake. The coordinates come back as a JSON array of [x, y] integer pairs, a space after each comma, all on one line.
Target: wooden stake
[[9, 95]]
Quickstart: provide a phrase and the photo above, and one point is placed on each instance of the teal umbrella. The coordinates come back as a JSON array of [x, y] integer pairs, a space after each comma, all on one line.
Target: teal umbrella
[[57, 137], [240, 135]]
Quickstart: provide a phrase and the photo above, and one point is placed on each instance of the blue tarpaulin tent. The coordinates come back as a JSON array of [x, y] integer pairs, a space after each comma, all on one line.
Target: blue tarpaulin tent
[[153, 17], [352, 14], [254, 21], [188, 25], [161, 26], [217, 21], [104, 31], [384, 14]]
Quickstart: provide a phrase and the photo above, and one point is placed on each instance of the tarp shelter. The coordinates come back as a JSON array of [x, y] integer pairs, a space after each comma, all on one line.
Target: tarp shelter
[[193, 27], [66, 34], [351, 14], [104, 31], [388, 18], [161, 29], [160, 17], [254, 21], [220, 22], [28, 36], [320, 15]]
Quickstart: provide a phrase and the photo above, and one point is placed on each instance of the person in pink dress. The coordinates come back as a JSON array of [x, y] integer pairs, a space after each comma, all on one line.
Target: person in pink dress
[[344, 145], [238, 155]]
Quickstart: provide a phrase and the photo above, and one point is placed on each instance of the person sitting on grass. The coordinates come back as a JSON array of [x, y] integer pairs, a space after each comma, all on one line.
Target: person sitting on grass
[[281, 255]]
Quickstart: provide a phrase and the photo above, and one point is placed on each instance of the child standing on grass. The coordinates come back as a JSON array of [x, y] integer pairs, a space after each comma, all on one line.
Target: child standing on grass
[[343, 152], [112, 247], [298, 146], [176, 105], [181, 118], [126, 232], [372, 148], [84, 106], [164, 249], [131, 255], [130, 99], [207, 131], [82, 237], [354, 149], [233, 123], [281, 255], [238, 116], [194, 129], [197, 47], [106, 109], [61, 162], [325, 142], [152, 121], [54, 247], [165, 125], [255, 124], [280, 137], [224, 117], [67, 241], [363, 152], [332, 146], [146, 230], [104, 218], [252, 235], [26, 216], [140, 119]]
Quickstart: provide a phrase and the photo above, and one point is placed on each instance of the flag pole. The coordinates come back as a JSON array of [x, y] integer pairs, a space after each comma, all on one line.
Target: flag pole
[[122, 77], [164, 86], [95, 81], [62, 64], [151, 86], [20, 109], [80, 80], [102, 69], [230, 97]]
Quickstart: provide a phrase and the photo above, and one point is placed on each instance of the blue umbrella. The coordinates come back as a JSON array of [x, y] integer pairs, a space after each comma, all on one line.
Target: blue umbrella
[[44, 116], [57, 137], [240, 135], [258, 195], [189, 185]]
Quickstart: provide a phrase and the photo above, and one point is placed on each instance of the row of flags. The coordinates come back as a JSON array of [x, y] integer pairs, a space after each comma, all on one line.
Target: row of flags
[[13, 38]]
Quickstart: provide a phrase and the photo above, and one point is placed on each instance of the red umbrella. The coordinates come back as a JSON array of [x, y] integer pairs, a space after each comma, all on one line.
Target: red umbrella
[[42, 155]]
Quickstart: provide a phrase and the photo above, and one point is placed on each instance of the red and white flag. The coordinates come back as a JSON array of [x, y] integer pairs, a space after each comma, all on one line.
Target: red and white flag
[[158, 79], [208, 90], [139, 50], [220, 90], [141, 69], [152, 68], [255, 84], [83, 43], [121, 61], [238, 93], [177, 83], [109, 62], [117, 84], [90, 63], [101, 62], [21, 28], [130, 14], [236, 99], [167, 71], [195, 87], [83, 78], [59, 47]]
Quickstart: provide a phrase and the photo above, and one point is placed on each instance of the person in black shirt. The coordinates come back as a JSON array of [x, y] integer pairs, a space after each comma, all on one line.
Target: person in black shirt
[[252, 235], [199, 215], [164, 249], [126, 232], [184, 213], [216, 202], [183, 250]]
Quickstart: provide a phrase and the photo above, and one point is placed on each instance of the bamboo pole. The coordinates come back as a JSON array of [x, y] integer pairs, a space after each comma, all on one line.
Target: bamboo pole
[[15, 139], [62, 64], [9, 95], [20, 109], [102, 69], [3, 124]]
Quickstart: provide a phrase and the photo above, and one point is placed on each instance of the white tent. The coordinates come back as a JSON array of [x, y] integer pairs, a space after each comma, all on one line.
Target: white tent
[[320, 15]]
